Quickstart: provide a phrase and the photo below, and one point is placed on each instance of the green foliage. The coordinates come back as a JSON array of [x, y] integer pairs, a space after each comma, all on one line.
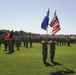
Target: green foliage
[[16, 33], [3, 32], [28, 61]]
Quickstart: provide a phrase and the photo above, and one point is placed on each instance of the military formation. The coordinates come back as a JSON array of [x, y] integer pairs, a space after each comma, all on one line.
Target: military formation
[[16, 41]]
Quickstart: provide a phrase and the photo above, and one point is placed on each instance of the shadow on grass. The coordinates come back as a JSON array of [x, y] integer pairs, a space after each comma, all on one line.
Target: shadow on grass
[[62, 72], [47, 64], [69, 46], [56, 63]]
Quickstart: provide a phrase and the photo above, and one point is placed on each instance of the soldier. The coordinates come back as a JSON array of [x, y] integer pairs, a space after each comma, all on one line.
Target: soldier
[[18, 43], [0, 43], [44, 49], [68, 40], [52, 43], [24, 41], [5, 44], [10, 46], [27, 40], [30, 40]]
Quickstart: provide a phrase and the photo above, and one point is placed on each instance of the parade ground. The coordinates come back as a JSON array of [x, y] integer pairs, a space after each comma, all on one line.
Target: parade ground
[[28, 61]]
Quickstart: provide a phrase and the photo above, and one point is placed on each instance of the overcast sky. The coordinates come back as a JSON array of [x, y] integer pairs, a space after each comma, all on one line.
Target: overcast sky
[[27, 15]]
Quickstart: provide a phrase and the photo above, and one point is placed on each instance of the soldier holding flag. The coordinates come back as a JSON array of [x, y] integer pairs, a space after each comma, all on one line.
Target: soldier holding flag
[[44, 49], [52, 43], [9, 39], [44, 25]]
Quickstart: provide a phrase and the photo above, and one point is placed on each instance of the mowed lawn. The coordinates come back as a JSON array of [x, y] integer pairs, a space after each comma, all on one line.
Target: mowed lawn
[[29, 61]]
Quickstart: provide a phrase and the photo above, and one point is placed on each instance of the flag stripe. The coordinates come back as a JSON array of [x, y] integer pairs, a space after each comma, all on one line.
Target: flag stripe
[[56, 24], [54, 32], [55, 28], [55, 19]]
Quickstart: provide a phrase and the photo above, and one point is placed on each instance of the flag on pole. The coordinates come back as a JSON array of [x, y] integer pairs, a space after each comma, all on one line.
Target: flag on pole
[[55, 24], [9, 35], [45, 21]]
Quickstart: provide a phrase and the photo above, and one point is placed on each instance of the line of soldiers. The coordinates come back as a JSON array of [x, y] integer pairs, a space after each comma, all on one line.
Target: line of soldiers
[[27, 40], [63, 41], [15, 42], [9, 44]]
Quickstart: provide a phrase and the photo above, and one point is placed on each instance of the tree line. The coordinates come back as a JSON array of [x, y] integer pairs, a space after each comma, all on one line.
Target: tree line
[[17, 33]]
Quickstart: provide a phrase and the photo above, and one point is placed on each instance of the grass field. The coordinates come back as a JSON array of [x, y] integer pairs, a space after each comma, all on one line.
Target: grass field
[[29, 61]]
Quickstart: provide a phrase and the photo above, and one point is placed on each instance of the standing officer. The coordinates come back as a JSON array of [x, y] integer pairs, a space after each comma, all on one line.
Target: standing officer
[[44, 49], [18, 43], [0, 42], [30, 40], [12, 42], [68, 40], [52, 43], [10, 46], [5, 42], [24, 41], [27, 40]]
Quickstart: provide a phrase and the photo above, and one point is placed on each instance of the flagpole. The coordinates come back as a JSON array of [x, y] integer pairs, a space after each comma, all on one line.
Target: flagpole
[[47, 30]]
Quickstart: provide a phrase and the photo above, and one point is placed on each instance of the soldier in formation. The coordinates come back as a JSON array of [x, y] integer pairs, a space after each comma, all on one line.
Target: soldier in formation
[[11, 45], [44, 49], [52, 43]]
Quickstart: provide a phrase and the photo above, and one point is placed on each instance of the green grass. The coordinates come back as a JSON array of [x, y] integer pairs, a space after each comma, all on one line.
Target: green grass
[[29, 61]]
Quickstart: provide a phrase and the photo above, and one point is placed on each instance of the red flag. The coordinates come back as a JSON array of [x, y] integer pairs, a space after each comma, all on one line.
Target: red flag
[[9, 36]]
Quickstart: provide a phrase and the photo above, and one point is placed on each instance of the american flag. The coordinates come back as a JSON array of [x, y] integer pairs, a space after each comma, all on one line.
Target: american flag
[[55, 24]]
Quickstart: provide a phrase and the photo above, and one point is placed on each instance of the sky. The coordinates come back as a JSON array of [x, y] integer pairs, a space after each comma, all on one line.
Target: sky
[[27, 15]]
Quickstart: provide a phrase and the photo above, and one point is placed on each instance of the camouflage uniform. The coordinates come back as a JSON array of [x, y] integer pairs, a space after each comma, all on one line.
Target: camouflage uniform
[[52, 49], [5, 44], [30, 40], [27, 40], [44, 50], [18, 43], [10, 46], [0, 42], [12, 42]]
